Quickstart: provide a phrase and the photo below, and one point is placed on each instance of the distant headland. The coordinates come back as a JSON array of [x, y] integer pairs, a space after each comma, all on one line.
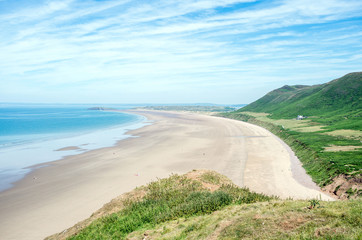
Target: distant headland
[[100, 108]]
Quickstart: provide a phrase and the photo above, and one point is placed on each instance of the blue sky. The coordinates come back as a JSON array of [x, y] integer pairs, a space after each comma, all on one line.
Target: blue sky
[[185, 51]]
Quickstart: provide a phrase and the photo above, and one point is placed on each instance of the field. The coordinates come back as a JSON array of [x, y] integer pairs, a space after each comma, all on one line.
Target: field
[[326, 151]]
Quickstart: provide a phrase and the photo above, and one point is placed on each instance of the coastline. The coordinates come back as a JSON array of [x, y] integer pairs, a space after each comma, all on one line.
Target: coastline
[[64, 192], [58, 146]]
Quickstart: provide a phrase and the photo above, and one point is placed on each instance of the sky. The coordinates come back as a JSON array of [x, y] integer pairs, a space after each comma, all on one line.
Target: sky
[[168, 51]]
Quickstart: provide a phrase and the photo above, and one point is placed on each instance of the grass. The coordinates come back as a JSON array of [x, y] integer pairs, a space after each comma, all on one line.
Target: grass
[[266, 220], [211, 177], [334, 111], [347, 133], [166, 200], [321, 165], [292, 124], [339, 101], [181, 207]]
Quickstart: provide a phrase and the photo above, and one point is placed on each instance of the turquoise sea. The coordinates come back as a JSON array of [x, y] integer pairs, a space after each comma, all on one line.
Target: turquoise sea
[[31, 134]]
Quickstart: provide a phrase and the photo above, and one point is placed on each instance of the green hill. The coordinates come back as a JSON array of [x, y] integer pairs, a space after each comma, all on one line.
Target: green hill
[[339, 100]]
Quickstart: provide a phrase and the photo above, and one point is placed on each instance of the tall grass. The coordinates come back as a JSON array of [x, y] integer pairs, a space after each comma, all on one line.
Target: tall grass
[[284, 219], [167, 199]]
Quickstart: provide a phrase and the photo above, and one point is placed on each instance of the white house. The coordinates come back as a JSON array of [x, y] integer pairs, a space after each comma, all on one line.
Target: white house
[[300, 117]]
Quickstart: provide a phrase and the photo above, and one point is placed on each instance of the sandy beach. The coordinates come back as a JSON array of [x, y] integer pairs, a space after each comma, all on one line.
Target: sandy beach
[[59, 194]]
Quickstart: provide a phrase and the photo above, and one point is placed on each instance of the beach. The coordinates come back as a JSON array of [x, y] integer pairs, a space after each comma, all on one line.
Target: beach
[[57, 195]]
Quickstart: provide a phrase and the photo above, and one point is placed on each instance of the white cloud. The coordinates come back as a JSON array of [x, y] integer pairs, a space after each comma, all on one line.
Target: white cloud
[[48, 8], [169, 45]]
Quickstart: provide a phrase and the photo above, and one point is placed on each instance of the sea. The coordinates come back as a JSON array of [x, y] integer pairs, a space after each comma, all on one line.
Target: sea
[[32, 135]]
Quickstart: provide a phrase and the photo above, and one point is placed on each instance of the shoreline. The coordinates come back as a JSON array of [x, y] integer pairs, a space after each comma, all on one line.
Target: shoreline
[[299, 173], [57, 196], [60, 147]]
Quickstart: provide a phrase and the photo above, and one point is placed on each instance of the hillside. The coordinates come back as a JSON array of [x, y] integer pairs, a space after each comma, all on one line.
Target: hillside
[[340, 99], [196, 193], [329, 141], [203, 204]]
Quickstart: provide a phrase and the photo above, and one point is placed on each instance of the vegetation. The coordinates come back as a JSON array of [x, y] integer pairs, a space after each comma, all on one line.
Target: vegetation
[[340, 101], [266, 220], [334, 113], [323, 166], [206, 205], [166, 200], [190, 207]]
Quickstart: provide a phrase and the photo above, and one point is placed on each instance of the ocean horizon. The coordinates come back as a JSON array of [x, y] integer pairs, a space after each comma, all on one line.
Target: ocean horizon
[[32, 135]]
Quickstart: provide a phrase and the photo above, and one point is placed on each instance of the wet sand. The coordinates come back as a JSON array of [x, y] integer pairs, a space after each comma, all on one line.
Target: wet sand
[[69, 148], [58, 195]]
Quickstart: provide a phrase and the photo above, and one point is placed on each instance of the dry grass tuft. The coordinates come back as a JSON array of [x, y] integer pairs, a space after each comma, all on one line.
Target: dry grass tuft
[[335, 148], [210, 180], [347, 133]]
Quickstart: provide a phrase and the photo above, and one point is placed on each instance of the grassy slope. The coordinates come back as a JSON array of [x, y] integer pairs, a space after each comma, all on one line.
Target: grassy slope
[[324, 167], [197, 193], [206, 205], [267, 220], [334, 106], [341, 97]]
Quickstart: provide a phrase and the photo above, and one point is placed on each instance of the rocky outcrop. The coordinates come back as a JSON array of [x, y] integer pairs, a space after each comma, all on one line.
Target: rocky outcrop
[[345, 187]]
